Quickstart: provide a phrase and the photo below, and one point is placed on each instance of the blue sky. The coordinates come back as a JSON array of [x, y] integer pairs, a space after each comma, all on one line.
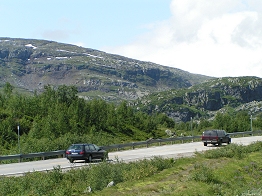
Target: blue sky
[[216, 38], [94, 24]]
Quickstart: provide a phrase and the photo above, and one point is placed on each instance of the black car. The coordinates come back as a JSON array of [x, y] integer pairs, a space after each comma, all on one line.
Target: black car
[[215, 137], [86, 152]]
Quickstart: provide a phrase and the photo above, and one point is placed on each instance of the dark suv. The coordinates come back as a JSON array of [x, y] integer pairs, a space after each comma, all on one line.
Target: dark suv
[[215, 137], [86, 152]]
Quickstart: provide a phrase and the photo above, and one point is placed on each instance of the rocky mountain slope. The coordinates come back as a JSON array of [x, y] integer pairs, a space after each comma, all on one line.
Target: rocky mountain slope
[[205, 99], [31, 64]]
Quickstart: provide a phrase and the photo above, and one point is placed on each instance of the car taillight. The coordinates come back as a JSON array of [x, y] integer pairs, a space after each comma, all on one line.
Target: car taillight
[[82, 152], [68, 152]]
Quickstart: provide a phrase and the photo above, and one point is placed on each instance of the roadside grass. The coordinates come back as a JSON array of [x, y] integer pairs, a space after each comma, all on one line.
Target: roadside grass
[[228, 170]]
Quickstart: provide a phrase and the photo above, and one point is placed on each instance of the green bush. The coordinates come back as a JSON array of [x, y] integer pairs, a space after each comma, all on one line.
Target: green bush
[[229, 151], [202, 173], [76, 181], [233, 150]]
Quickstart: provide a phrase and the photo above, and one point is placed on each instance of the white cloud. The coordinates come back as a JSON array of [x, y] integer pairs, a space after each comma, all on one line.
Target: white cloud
[[215, 38]]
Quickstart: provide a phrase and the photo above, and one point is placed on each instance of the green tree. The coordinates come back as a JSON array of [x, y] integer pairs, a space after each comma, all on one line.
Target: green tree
[[243, 121], [98, 114], [164, 120], [223, 121], [8, 89], [66, 94], [257, 122], [204, 124], [125, 113]]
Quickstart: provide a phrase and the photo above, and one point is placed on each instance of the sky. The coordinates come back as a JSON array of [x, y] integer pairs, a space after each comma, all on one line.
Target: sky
[[219, 38]]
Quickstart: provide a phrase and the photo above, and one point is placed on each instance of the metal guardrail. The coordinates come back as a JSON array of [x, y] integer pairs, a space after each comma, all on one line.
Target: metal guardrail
[[150, 141], [172, 139], [58, 153], [44, 155]]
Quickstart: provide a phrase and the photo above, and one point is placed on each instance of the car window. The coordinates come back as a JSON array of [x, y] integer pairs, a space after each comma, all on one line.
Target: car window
[[221, 133], [91, 147], [87, 148], [96, 147], [79, 147], [210, 133], [75, 147]]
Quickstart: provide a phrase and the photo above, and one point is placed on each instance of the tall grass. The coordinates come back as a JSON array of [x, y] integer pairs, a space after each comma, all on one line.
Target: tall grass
[[76, 181], [233, 150], [203, 173]]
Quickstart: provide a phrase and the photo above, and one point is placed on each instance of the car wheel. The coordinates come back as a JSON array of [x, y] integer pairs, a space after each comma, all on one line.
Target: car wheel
[[205, 144], [89, 158], [71, 160], [103, 158], [229, 142]]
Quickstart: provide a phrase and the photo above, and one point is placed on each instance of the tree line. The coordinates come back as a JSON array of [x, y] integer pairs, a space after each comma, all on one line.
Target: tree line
[[57, 117]]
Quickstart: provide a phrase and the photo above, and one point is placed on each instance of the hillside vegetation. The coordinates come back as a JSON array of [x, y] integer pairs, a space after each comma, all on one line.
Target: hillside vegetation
[[80, 94], [59, 94], [60, 116], [29, 65]]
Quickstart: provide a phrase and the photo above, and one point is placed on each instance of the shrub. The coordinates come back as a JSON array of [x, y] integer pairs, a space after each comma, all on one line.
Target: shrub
[[233, 150], [202, 173], [229, 151]]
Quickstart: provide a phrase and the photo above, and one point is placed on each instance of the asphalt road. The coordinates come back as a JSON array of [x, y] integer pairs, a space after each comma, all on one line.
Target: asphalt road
[[175, 151]]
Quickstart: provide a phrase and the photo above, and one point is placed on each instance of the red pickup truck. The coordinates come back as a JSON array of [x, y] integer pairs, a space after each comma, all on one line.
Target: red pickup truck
[[215, 137]]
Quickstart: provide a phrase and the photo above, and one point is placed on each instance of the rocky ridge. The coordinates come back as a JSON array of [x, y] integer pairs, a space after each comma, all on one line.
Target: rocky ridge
[[205, 99], [31, 64]]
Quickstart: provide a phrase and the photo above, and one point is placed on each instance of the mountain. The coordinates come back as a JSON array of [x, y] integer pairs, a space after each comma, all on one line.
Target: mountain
[[207, 98], [30, 64]]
